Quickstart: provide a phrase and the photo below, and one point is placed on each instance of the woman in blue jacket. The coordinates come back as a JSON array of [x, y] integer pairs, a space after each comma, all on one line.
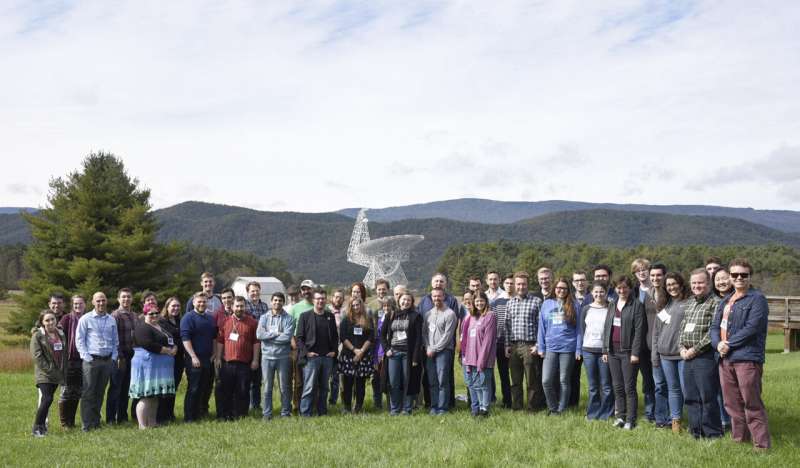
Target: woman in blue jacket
[[559, 343]]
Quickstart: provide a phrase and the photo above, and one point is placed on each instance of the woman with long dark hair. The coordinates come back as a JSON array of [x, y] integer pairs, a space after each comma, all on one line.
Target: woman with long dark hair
[[357, 334], [49, 359], [170, 321], [666, 354], [402, 340], [559, 343]]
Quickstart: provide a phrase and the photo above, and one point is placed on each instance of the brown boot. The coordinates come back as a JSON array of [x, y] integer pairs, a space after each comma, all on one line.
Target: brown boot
[[62, 413], [676, 426]]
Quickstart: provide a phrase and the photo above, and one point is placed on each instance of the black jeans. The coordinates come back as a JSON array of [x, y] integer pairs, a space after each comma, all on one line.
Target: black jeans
[[73, 381], [255, 388], [505, 379], [235, 377], [348, 382], [199, 381], [117, 398], [701, 387], [648, 385], [623, 379], [46, 391]]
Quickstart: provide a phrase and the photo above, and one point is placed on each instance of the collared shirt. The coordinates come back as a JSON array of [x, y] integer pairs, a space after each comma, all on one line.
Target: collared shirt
[[297, 310], [522, 318], [97, 335], [696, 323], [69, 324], [256, 309], [126, 326], [275, 332], [239, 337], [200, 330]]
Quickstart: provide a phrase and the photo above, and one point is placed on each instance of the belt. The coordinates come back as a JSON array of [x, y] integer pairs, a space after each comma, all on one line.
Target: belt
[[102, 358]]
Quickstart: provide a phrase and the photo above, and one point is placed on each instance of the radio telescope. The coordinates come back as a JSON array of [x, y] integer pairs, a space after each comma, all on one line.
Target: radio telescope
[[381, 256]]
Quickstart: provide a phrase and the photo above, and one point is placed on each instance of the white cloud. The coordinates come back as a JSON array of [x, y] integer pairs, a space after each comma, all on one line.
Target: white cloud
[[261, 103]]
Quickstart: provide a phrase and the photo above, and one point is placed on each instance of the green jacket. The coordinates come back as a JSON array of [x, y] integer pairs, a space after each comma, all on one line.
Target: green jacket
[[45, 369]]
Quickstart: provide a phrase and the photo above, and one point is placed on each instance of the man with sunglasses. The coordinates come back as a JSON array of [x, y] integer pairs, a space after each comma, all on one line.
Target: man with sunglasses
[[739, 333]]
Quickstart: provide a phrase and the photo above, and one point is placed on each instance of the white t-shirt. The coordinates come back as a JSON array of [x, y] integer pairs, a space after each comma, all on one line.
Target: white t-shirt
[[595, 322]]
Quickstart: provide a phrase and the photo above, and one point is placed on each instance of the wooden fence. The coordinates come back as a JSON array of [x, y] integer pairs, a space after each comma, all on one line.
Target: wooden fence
[[784, 312]]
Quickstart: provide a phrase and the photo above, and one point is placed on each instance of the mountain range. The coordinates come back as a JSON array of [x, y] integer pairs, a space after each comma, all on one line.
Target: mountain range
[[314, 244]]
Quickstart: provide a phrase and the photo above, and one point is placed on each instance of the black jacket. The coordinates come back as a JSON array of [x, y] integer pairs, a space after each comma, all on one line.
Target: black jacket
[[415, 348], [307, 332], [632, 331]]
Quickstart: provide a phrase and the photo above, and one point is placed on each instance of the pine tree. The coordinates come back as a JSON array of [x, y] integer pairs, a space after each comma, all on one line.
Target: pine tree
[[96, 234]]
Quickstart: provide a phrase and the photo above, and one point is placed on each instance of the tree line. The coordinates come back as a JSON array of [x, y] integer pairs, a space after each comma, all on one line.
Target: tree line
[[777, 267]]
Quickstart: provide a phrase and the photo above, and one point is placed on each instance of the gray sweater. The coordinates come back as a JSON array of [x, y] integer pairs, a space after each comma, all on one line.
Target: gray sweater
[[439, 330], [666, 336]]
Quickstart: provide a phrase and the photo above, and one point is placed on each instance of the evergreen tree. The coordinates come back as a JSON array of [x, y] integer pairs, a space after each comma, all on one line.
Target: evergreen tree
[[97, 234]]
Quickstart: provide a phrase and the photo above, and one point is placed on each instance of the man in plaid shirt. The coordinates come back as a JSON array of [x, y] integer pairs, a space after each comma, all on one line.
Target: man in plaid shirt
[[117, 397], [521, 328], [255, 307], [700, 372]]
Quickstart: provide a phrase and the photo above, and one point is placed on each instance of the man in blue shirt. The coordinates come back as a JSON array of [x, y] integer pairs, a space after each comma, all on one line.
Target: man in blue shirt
[[198, 331], [97, 342]]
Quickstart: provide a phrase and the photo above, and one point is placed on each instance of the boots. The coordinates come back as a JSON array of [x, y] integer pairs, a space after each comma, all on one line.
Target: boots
[[66, 412], [676, 426]]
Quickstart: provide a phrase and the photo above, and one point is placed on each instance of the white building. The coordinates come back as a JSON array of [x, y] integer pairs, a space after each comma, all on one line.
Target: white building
[[269, 285]]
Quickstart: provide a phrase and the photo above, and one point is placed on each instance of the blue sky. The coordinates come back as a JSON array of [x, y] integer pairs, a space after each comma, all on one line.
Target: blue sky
[[316, 106]]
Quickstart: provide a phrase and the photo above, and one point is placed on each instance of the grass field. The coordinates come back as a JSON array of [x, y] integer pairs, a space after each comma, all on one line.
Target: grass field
[[504, 439]]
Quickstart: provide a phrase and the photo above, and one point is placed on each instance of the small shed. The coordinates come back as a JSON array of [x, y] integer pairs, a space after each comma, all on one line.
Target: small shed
[[269, 285]]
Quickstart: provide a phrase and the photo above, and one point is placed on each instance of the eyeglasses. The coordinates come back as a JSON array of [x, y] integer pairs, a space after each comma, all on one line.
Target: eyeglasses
[[740, 275]]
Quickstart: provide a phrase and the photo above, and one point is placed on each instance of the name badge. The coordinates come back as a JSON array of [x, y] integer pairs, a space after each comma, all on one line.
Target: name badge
[[724, 324], [400, 335], [473, 332], [233, 336], [689, 328], [358, 331], [432, 327], [170, 341], [663, 316], [594, 336], [558, 319], [617, 321], [58, 346]]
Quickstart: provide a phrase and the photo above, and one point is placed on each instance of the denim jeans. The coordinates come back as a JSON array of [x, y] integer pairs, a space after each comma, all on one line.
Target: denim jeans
[[662, 408], [557, 393], [268, 369], [701, 385], [600, 400], [673, 373], [398, 381], [478, 385], [316, 378], [439, 380], [336, 379], [117, 397], [199, 380], [656, 408]]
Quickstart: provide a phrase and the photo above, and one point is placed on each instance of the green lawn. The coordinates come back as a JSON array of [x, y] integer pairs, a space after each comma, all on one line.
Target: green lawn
[[505, 438]]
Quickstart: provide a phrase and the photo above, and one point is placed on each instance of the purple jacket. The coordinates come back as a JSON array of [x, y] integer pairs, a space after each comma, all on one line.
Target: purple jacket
[[479, 341]]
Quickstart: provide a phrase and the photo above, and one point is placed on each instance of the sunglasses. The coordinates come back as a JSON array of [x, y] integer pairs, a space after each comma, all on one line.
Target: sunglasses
[[740, 275], [152, 314]]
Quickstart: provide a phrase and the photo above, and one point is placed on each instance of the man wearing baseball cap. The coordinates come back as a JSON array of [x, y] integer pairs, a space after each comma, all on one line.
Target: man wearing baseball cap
[[296, 376]]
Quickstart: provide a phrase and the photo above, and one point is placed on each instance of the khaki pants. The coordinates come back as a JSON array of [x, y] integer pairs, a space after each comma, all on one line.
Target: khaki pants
[[523, 363]]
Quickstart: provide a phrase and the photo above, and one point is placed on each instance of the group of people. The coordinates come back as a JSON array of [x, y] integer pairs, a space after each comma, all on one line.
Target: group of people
[[698, 344]]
